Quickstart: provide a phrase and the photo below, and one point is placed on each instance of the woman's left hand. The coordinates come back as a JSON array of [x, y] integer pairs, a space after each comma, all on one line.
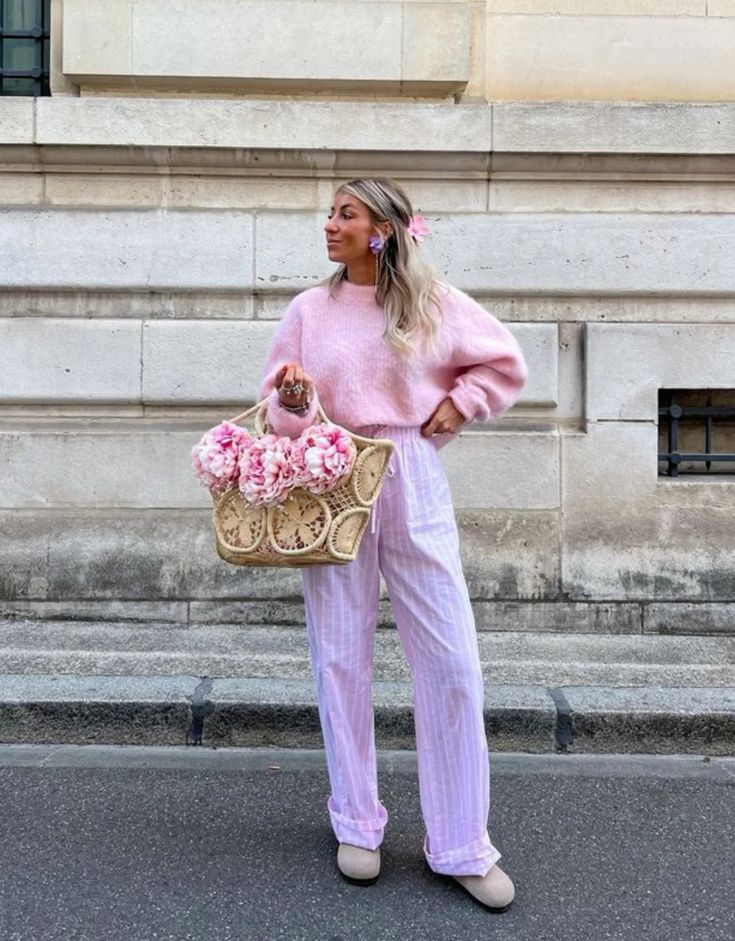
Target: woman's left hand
[[446, 420]]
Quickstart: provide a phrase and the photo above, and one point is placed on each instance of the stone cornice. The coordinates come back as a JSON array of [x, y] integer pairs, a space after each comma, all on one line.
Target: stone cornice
[[324, 127]]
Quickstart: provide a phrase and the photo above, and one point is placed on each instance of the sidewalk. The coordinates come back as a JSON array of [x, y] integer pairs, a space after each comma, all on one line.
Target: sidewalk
[[166, 684], [196, 844]]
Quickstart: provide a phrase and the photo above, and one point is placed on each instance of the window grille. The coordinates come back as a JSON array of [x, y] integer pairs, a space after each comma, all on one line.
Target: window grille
[[696, 431], [24, 47]]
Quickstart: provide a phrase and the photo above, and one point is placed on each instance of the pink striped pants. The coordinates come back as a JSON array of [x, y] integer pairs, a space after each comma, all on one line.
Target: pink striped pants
[[412, 540]]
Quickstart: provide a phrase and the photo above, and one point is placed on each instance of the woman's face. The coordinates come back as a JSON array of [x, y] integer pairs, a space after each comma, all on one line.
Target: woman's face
[[348, 229]]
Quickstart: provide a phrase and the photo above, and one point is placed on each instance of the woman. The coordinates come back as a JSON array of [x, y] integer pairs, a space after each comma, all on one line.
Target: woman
[[391, 352]]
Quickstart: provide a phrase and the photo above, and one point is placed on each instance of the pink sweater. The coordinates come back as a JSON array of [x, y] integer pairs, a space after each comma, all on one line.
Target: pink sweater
[[361, 381]]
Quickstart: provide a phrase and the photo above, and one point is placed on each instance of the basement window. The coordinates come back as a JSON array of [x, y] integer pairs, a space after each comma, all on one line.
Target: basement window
[[24, 47], [696, 432]]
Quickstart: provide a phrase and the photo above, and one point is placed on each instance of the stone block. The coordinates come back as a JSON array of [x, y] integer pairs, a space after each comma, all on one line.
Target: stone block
[[603, 7], [605, 196], [540, 345], [98, 611], [435, 47], [125, 249], [200, 362], [586, 254], [20, 189], [510, 554], [16, 120], [614, 466], [147, 555], [97, 40], [683, 618], [250, 193], [47, 360], [267, 123], [614, 127], [721, 7], [558, 617], [545, 58], [120, 190], [263, 46], [498, 470], [628, 363], [264, 39], [92, 466], [620, 541]]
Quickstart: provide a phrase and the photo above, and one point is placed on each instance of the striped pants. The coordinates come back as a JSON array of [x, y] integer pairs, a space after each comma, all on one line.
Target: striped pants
[[412, 540]]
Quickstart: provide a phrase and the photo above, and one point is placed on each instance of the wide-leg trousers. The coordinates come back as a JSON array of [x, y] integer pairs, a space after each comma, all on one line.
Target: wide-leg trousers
[[412, 540]]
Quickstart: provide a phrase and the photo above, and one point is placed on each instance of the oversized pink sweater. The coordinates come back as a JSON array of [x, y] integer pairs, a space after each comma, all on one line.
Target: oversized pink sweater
[[361, 381]]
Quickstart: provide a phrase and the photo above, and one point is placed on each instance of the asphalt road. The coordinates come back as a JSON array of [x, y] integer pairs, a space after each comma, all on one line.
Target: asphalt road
[[135, 844]]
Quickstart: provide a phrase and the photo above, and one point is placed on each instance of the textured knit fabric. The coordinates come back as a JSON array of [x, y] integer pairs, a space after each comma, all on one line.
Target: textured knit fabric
[[362, 381], [414, 544]]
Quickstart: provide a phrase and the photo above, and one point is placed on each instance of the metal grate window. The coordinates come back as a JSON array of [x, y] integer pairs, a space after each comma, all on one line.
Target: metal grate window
[[696, 431], [24, 47]]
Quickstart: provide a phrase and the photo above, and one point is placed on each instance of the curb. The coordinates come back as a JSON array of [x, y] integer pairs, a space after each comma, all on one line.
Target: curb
[[243, 712]]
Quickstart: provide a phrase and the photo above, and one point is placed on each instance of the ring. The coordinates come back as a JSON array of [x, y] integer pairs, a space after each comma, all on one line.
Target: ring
[[294, 389]]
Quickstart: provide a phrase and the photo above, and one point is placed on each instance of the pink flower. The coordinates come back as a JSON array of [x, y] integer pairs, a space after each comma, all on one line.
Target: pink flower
[[266, 473], [215, 457], [418, 229], [328, 455]]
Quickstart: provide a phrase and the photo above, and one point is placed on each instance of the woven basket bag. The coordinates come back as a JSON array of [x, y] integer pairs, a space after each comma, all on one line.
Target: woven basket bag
[[307, 528]]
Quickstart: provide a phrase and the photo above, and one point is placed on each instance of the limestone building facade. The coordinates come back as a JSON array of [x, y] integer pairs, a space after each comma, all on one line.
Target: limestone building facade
[[164, 201]]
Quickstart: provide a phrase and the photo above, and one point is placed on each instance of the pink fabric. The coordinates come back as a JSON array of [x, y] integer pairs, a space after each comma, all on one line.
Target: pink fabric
[[414, 544], [362, 381]]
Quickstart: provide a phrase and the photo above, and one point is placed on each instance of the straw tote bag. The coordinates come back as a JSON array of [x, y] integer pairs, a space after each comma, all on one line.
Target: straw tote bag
[[306, 528]]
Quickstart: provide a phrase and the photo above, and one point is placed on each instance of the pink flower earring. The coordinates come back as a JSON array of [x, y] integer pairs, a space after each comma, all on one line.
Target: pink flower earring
[[376, 244]]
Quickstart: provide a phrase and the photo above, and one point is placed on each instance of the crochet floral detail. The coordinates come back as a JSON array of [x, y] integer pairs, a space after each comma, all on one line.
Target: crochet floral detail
[[418, 229], [267, 468], [215, 458]]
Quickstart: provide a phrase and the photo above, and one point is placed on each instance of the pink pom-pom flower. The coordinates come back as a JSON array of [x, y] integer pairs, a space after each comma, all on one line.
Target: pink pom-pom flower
[[418, 229], [329, 454], [266, 472], [215, 458]]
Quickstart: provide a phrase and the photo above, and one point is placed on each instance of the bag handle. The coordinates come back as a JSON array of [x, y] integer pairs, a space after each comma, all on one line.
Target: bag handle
[[260, 409]]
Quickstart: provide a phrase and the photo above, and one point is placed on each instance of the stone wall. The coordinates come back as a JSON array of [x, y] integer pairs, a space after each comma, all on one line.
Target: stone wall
[[156, 217]]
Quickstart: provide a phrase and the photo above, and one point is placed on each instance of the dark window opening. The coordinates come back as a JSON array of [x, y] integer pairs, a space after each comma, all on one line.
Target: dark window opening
[[24, 47], [696, 431]]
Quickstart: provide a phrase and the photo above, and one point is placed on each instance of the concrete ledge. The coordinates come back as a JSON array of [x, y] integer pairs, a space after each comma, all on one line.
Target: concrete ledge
[[653, 720], [238, 712], [615, 127], [266, 123]]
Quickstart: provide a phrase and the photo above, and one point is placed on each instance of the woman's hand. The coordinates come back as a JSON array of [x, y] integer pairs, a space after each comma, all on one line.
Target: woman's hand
[[294, 386], [446, 420]]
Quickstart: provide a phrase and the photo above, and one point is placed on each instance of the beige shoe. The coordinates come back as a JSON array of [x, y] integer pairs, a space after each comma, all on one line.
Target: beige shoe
[[495, 890], [357, 864]]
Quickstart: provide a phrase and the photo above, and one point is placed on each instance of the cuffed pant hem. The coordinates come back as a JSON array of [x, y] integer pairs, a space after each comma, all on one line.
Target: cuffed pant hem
[[365, 833], [473, 859]]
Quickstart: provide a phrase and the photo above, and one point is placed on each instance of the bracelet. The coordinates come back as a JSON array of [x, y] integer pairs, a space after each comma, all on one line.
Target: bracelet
[[297, 409]]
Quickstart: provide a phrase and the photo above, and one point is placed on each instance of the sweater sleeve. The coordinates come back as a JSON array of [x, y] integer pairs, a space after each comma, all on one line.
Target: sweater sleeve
[[285, 347], [491, 370]]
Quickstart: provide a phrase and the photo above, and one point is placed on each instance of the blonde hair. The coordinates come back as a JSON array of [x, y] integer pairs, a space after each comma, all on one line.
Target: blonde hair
[[405, 286]]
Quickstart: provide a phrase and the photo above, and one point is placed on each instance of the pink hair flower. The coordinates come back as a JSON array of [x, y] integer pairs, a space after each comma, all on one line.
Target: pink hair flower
[[418, 229], [215, 458]]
